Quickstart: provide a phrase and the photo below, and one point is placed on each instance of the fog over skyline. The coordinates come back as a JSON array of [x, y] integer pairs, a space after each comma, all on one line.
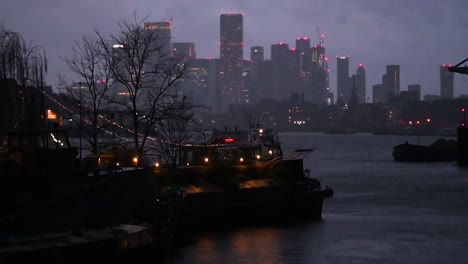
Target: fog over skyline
[[418, 35]]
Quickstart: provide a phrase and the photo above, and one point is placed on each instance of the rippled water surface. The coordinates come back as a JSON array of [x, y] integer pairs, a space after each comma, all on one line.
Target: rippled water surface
[[382, 211]]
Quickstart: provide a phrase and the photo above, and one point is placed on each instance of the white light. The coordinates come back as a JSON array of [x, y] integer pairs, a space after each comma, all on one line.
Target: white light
[[241, 159], [258, 156], [157, 164]]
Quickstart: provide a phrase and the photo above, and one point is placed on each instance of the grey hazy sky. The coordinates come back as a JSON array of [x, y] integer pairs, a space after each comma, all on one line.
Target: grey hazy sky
[[419, 35]]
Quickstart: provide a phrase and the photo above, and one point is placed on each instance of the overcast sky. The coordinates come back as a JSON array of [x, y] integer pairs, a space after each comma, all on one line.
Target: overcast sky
[[419, 35]]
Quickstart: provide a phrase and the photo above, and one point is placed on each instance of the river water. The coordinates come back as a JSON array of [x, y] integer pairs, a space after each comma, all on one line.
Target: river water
[[382, 211]]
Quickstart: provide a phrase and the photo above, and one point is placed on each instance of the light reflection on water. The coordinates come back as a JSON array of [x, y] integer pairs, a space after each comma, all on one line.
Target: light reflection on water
[[382, 211]]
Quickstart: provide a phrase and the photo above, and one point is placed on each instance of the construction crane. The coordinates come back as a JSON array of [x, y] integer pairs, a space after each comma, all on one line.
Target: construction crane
[[458, 69], [321, 36]]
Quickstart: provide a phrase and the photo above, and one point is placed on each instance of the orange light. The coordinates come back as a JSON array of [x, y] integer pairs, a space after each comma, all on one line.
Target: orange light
[[51, 115], [258, 156], [206, 160], [157, 164], [135, 159], [241, 159]]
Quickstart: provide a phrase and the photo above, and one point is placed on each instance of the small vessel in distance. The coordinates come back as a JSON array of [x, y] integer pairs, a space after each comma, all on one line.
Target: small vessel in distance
[[440, 150]]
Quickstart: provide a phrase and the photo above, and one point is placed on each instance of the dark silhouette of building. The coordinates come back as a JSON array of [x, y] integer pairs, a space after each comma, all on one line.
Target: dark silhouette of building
[[391, 83], [163, 34], [377, 93], [201, 82], [360, 80], [446, 82], [231, 61], [284, 68], [343, 86], [415, 88], [185, 50]]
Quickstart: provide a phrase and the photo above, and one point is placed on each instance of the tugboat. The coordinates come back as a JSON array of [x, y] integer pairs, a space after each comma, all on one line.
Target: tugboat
[[244, 177]]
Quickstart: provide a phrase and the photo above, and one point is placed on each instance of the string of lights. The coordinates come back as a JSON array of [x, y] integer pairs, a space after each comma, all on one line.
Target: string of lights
[[153, 139]]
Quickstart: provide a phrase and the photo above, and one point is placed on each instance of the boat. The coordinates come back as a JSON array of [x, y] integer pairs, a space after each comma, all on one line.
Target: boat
[[244, 177], [440, 150]]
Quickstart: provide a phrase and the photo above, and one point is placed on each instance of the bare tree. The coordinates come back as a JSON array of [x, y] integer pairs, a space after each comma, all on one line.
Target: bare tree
[[92, 92], [172, 135], [26, 64], [141, 63]]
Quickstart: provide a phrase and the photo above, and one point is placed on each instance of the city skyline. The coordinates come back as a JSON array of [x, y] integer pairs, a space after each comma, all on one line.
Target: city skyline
[[418, 38]]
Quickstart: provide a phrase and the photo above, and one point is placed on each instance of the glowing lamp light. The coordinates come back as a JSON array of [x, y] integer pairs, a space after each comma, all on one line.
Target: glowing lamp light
[[260, 131], [463, 109], [135, 160], [410, 122], [117, 164], [417, 122], [258, 156], [206, 160], [157, 164], [188, 164], [270, 152], [241, 159], [428, 120], [228, 140]]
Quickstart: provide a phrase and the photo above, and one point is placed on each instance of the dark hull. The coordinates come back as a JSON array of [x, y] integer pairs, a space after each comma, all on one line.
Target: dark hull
[[417, 153], [247, 206]]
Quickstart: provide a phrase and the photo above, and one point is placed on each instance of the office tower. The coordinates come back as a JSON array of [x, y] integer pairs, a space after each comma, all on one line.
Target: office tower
[[343, 83], [283, 70], [162, 34], [256, 85], [184, 51], [318, 57], [446, 82], [303, 55], [377, 93], [361, 84], [415, 88], [280, 52], [391, 83], [201, 79], [231, 56], [257, 54]]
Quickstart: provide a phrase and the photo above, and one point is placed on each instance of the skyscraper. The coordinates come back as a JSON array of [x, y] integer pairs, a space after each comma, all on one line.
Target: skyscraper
[[377, 93], [415, 88], [343, 86], [162, 34], [391, 83], [361, 84], [257, 54], [446, 82], [184, 50], [231, 56]]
